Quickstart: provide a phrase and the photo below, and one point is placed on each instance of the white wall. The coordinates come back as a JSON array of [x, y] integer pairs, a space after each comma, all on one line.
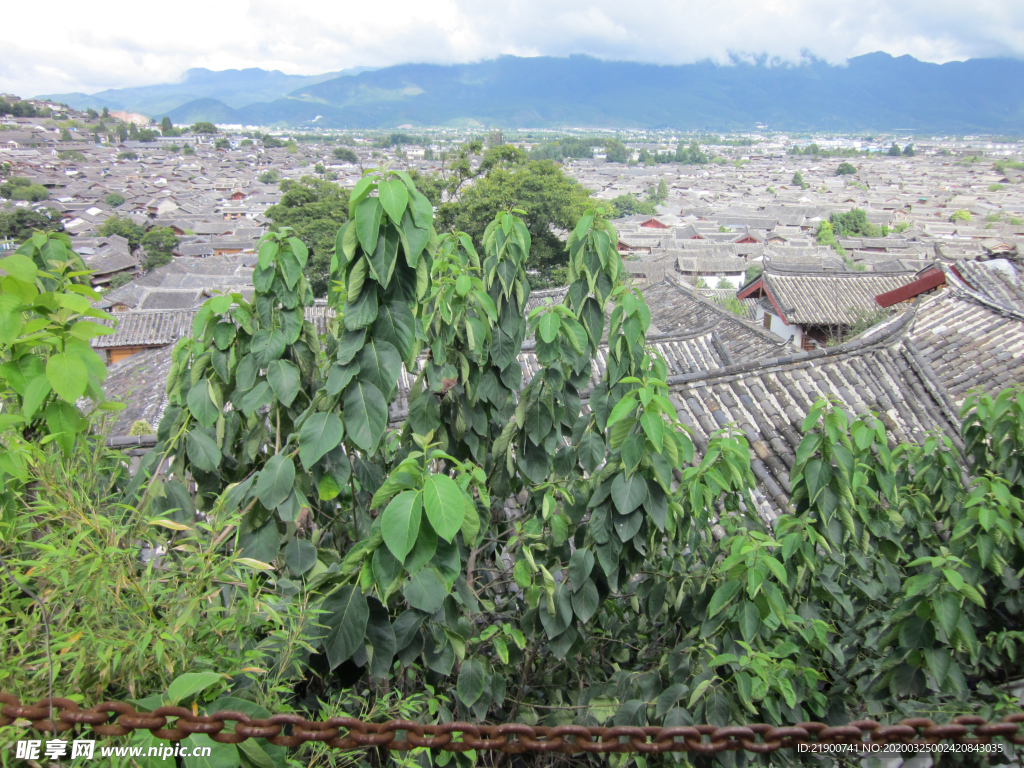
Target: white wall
[[780, 328]]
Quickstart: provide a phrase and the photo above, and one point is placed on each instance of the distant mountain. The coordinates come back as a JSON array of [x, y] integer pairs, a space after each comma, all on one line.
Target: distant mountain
[[234, 87], [875, 92]]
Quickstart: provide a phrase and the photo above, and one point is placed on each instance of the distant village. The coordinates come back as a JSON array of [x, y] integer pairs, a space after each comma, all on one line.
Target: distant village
[[757, 308]]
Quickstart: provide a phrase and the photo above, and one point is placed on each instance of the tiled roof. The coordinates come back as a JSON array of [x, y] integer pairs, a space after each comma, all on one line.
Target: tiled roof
[[829, 299]]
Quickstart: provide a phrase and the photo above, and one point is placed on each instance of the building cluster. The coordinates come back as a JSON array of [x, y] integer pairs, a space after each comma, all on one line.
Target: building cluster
[[756, 310]]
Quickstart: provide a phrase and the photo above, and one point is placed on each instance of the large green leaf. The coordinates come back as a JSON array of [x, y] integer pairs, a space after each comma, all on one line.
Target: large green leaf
[[275, 481], [471, 681], [380, 365], [380, 638], [319, 434], [300, 556], [284, 380], [245, 373], [749, 619], [362, 311], [549, 326], [947, 610], [267, 345], [585, 601], [64, 421], [580, 565], [200, 403], [290, 267], [444, 504], [426, 590], [256, 397], [628, 493], [590, 451], [187, 685], [367, 215], [202, 450], [10, 318], [346, 613], [400, 523], [385, 256], [67, 375], [396, 325], [338, 377], [366, 415], [817, 474], [723, 595], [394, 196]]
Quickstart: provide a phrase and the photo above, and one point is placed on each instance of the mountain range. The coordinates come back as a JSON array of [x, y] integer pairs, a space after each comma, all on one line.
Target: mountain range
[[872, 92]]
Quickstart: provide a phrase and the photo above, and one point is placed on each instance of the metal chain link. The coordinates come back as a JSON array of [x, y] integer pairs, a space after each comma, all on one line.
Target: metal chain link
[[351, 733]]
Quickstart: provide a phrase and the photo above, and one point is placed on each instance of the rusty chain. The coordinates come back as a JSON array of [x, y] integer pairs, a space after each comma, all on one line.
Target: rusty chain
[[351, 733]]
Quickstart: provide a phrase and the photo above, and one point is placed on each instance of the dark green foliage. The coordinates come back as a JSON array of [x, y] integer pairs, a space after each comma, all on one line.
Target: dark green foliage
[[616, 152], [21, 222], [268, 176], [158, 243], [853, 223], [204, 127], [627, 205], [539, 188], [18, 188], [19, 108], [127, 156], [894, 150], [114, 200], [271, 142], [908, 151], [313, 209], [345, 155], [222, 144], [846, 169], [124, 227]]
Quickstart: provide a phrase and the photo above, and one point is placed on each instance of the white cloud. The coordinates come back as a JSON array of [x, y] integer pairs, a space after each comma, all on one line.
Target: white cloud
[[68, 50]]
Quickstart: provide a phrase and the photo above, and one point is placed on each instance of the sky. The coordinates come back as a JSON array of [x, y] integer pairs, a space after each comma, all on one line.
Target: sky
[[72, 48]]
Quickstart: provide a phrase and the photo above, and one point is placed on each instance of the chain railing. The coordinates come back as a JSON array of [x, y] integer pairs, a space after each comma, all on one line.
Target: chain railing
[[120, 719]]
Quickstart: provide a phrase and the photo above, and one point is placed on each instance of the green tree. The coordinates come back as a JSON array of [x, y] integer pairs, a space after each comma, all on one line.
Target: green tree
[[312, 209], [853, 223], [846, 169], [753, 272], [908, 151], [961, 215], [222, 144], [188, 150], [20, 223], [548, 197], [65, 135], [204, 127], [124, 227], [318, 168], [159, 242], [269, 176], [798, 180], [114, 199], [345, 155], [127, 156], [627, 205], [894, 150], [166, 126], [616, 152], [18, 188]]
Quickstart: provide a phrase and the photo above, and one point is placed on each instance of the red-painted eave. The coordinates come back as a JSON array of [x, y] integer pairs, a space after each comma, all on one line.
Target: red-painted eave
[[926, 282], [757, 289]]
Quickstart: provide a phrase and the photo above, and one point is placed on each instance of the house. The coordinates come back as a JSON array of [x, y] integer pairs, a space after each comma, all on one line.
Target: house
[[817, 306]]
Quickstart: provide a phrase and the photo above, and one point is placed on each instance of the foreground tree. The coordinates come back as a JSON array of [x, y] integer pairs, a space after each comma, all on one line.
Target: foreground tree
[[504, 533]]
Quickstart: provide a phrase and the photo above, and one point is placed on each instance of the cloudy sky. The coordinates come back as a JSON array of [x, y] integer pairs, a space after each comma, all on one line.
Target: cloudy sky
[[70, 47]]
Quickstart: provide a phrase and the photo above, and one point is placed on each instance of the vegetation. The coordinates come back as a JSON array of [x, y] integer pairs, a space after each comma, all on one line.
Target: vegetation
[[846, 169], [908, 151], [20, 223], [119, 280], [268, 176], [127, 156], [854, 223], [126, 228], [616, 152], [627, 205], [158, 243], [507, 179], [18, 188], [222, 144], [995, 187], [20, 108], [345, 155], [686, 154], [313, 209], [894, 150], [204, 127], [114, 199], [826, 236], [291, 552], [71, 155], [961, 215], [753, 272]]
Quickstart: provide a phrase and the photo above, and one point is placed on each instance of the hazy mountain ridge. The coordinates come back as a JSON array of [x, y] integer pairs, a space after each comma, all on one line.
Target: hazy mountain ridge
[[872, 92], [234, 87]]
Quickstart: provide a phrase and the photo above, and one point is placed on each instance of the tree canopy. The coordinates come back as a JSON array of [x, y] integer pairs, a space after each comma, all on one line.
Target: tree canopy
[[313, 209], [126, 228], [158, 243], [204, 127], [18, 188]]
